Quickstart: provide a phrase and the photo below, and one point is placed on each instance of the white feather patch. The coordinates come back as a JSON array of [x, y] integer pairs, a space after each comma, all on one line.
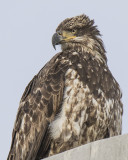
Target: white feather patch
[[62, 122]]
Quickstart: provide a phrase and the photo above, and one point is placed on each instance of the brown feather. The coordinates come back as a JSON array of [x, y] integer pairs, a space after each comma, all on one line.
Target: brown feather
[[37, 109], [73, 100]]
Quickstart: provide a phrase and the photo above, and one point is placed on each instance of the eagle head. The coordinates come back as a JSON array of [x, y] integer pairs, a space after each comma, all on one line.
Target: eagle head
[[75, 31]]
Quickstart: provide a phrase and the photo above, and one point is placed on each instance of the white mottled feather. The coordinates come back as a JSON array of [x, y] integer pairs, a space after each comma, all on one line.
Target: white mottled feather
[[75, 90]]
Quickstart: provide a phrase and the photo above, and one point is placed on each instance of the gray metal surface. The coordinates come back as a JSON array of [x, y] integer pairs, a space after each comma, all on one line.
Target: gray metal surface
[[115, 148]]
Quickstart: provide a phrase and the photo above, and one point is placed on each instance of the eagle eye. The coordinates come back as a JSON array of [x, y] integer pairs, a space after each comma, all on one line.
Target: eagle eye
[[73, 31]]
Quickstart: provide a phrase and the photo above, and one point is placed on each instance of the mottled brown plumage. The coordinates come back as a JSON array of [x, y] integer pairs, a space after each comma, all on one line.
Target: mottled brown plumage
[[73, 100]]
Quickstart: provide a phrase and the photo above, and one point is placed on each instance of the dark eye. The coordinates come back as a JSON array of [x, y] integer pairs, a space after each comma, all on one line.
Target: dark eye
[[73, 31]]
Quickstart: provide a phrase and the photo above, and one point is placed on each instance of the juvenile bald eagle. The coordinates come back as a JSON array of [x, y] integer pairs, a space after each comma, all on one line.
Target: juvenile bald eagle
[[73, 100]]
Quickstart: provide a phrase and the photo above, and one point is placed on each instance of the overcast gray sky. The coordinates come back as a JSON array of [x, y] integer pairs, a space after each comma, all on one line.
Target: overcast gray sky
[[26, 28]]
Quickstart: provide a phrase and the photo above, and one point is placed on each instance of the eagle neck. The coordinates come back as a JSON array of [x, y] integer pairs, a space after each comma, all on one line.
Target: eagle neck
[[95, 52], [93, 46]]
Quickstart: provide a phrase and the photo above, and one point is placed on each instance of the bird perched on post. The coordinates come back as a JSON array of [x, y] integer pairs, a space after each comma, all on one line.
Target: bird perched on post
[[73, 100]]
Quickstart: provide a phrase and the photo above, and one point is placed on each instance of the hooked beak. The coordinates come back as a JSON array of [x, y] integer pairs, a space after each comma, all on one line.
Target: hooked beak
[[64, 37], [56, 39]]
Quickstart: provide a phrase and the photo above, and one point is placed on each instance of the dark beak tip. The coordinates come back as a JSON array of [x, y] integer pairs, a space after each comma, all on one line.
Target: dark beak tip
[[54, 46], [55, 40]]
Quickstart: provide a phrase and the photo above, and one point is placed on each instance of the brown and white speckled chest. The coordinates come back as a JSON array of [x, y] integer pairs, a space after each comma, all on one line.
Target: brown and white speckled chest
[[83, 118]]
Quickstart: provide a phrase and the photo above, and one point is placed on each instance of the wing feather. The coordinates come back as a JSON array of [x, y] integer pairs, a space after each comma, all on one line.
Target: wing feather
[[38, 107]]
